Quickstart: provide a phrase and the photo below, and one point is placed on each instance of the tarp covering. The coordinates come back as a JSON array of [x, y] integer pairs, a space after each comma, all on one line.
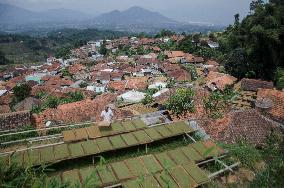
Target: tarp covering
[[132, 96], [158, 85]]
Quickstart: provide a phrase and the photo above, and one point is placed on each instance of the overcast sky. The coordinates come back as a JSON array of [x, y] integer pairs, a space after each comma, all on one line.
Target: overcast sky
[[210, 11]]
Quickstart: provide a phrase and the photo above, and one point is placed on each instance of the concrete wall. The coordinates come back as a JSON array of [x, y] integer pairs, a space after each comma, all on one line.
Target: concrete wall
[[14, 120]]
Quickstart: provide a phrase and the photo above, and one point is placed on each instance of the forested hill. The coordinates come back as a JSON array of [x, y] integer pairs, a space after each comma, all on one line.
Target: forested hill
[[15, 48], [255, 46]]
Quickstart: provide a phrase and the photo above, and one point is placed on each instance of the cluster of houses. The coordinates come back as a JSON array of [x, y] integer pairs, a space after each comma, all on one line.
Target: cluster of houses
[[107, 79]]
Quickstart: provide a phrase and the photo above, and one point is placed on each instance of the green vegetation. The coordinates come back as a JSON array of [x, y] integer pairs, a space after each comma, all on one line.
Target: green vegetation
[[279, 78], [165, 33], [25, 49], [181, 102], [21, 92], [254, 47], [103, 49], [3, 59], [65, 72], [171, 83], [83, 84], [271, 174], [192, 70], [63, 52], [53, 102], [16, 48], [216, 102], [186, 45], [148, 99]]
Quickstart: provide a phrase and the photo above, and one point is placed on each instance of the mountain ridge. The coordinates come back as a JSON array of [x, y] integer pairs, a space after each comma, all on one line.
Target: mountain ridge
[[133, 15], [10, 14]]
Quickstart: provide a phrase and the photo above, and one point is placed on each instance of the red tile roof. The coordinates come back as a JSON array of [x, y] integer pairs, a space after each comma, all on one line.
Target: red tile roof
[[79, 111], [253, 85], [249, 125], [173, 54], [76, 68], [4, 109], [276, 112], [58, 81], [6, 99], [117, 85], [136, 83], [212, 62], [180, 75], [220, 80], [167, 67]]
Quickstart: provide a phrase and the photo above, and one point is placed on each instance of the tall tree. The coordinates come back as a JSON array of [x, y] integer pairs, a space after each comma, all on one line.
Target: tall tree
[[260, 35]]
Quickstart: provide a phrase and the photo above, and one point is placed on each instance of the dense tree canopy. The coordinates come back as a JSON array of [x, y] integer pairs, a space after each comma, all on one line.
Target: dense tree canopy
[[3, 59], [22, 91], [255, 46]]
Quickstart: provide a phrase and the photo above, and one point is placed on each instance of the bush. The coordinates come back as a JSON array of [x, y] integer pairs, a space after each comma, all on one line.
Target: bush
[[192, 70], [152, 91], [171, 83], [246, 153], [148, 99], [181, 102], [83, 85], [22, 91], [75, 96], [37, 109], [215, 103], [52, 102], [65, 72], [279, 78], [16, 176]]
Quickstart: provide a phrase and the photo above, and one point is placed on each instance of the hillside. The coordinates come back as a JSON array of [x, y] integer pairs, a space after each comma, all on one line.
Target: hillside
[[26, 49], [133, 15], [15, 15]]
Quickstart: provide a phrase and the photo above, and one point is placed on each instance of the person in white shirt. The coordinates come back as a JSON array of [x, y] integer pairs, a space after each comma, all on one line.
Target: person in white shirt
[[107, 115]]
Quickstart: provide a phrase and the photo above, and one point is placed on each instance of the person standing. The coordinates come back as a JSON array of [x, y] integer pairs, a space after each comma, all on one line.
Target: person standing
[[107, 115]]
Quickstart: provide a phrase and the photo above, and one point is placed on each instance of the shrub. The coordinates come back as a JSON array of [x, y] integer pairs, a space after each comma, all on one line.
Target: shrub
[[246, 153], [83, 85], [52, 102], [148, 99], [181, 102], [279, 78], [65, 72], [215, 103], [22, 91], [192, 70], [171, 83]]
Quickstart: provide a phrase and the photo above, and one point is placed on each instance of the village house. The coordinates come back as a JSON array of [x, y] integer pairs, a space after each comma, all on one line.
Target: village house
[[102, 77], [218, 81], [116, 75], [248, 125], [275, 110], [254, 85], [189, 58]]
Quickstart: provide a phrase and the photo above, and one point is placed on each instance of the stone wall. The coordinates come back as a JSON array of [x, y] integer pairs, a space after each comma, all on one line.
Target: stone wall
[[14, 120]]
